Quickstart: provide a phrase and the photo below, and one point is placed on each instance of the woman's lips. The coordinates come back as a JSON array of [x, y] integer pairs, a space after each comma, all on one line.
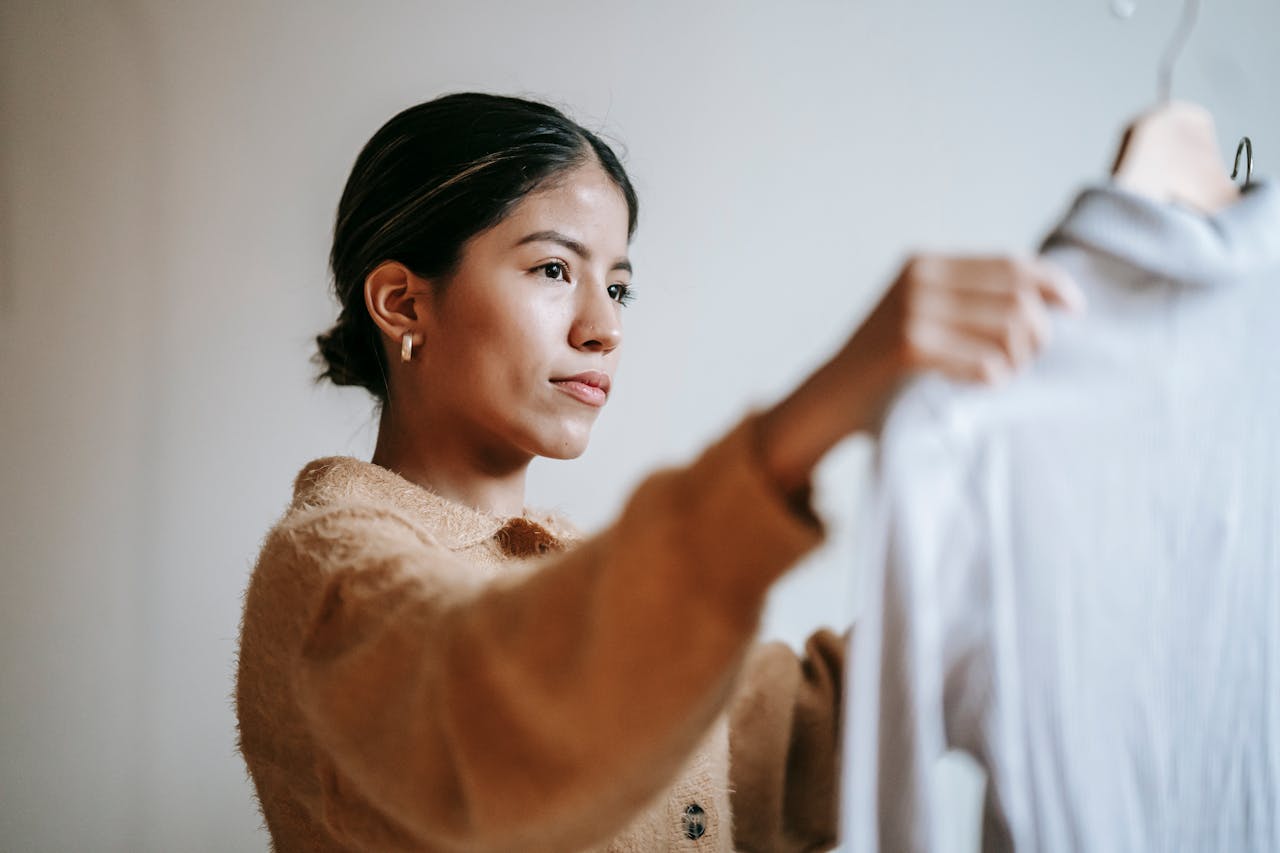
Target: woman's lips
[[589, 386], [589, 394]]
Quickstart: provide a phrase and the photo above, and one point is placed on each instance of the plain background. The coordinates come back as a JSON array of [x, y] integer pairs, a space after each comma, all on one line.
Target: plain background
[[168, 176]]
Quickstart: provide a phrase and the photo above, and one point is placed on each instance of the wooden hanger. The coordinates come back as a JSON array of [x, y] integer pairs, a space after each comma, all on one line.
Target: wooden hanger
[[1171, 153]]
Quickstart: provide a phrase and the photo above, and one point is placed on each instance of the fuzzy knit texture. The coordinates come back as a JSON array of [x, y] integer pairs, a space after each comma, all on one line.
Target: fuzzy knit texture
[[417, 675]]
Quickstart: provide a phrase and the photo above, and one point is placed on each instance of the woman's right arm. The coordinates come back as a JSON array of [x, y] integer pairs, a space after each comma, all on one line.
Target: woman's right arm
[[541, 711]]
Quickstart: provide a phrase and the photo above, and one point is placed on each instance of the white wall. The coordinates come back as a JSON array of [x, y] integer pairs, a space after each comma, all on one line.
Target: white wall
[[168, 174]]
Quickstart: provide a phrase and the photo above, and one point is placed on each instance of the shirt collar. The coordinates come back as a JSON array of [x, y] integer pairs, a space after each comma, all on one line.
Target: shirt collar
[[1175, 242], [455, 525]]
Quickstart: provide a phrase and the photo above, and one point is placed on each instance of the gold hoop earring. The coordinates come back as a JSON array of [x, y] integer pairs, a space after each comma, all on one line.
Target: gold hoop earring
[[406, 346]]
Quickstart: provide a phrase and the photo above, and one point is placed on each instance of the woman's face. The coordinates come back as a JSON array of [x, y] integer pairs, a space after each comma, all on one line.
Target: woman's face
[[535, 300]]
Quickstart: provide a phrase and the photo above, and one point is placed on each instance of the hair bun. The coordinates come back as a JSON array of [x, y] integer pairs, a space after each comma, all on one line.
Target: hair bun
[[347, 355]]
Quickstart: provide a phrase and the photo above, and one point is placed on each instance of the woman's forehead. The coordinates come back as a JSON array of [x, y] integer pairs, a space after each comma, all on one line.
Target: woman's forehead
[[584, 211]]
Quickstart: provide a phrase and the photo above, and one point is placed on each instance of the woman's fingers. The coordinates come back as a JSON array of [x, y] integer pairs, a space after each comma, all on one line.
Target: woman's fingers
[[969, 358], [1055, 286], [1017, 322], [996, 275], [1058, 288], [982, 318]]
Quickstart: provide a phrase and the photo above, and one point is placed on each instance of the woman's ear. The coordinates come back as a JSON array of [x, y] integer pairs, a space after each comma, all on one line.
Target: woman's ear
[[397, 300]]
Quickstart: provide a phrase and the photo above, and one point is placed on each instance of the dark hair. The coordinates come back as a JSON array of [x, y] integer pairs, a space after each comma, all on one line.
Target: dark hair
[[431, 178]]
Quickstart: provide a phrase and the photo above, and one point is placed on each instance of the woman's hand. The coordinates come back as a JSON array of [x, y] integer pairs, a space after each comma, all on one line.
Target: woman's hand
[[976, 319]]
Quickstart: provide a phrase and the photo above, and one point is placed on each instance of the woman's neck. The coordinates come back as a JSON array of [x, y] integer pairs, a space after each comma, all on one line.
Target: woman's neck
[[452, 461]]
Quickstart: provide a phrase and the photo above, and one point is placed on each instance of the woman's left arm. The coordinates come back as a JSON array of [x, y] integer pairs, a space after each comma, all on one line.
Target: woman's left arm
[[784, 746]]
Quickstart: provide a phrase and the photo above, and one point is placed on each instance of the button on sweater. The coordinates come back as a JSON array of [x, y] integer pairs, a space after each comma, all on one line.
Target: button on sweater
[[417, 675]]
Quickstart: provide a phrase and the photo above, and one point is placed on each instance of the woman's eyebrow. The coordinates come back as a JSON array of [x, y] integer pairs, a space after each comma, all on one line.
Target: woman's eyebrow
[[569, 243]]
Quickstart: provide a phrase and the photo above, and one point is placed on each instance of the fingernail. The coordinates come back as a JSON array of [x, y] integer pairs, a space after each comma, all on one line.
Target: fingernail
[[1072, 298]]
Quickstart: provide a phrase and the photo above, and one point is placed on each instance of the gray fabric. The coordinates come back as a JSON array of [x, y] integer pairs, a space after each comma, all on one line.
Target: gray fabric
[[1076, 578]]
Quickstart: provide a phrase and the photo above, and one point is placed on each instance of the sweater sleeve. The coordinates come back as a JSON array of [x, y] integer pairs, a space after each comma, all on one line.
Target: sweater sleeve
[[540, 711], [785, 746]]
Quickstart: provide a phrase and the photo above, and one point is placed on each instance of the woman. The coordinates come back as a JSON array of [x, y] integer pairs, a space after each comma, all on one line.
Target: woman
[[427, 664]]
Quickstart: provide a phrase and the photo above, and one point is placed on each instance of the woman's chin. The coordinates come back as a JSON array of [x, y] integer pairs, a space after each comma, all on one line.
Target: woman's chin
[[568, 443]]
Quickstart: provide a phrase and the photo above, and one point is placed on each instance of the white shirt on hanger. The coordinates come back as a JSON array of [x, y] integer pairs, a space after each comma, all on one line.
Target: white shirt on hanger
[[1076, 578]]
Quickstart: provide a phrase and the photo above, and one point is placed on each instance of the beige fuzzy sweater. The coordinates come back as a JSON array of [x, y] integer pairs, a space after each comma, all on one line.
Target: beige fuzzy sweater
[[416, 675]]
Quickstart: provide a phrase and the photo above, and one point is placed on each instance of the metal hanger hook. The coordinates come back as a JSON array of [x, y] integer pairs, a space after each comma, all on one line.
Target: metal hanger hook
[[1246, 148]]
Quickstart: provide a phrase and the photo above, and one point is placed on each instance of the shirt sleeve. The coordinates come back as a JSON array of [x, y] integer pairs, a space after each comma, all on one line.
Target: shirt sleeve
[[541, 710], [785, 746]]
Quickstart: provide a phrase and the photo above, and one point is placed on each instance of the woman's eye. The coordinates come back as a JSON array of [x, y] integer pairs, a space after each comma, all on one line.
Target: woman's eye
[[621, 293], [553, 270]]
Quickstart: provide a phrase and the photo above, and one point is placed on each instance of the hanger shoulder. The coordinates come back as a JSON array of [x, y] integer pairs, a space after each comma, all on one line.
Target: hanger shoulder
[[1171, 155]]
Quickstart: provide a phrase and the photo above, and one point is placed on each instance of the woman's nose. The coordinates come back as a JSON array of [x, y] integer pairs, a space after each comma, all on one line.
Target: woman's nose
[[597, 326]]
